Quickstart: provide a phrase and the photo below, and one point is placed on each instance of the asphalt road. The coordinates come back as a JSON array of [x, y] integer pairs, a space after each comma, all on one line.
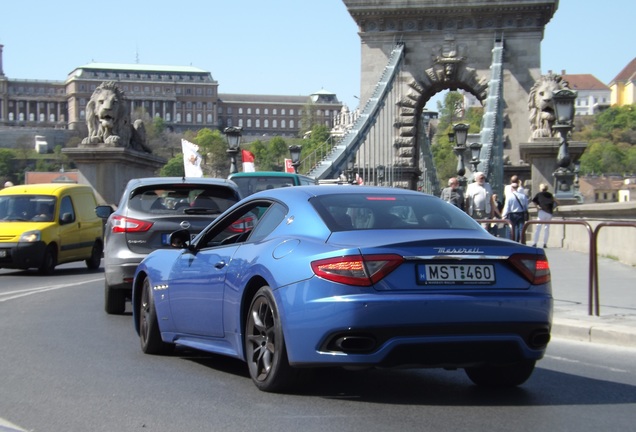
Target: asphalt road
[[67, 366]]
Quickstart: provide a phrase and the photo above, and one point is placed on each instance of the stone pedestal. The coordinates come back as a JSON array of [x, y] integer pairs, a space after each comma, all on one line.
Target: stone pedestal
[[541, 154], [108, 169]]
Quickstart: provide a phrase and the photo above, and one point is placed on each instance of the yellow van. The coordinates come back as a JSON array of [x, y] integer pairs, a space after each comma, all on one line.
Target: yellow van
[[43, 225]]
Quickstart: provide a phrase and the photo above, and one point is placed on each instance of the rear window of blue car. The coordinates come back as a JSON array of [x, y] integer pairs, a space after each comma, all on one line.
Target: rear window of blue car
[[342, 212]]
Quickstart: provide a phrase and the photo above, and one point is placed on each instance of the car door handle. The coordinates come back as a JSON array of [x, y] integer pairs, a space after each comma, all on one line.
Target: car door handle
[[220, 265]]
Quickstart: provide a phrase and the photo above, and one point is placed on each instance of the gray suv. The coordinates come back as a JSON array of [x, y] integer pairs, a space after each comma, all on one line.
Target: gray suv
[[149, 210]]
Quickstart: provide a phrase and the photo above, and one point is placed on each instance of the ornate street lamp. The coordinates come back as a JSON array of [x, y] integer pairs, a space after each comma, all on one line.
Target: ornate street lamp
[[564, 122], [350, 164], [460, 134], [380, 172], [294, 152], [475, 150], [233, 137]]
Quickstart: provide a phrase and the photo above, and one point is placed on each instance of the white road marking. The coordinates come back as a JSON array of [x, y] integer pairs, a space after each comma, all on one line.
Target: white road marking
[[12, 295]]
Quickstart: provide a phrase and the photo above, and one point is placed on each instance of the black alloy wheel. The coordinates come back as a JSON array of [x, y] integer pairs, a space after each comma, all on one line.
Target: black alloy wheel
[[265, 345], [149, 333]]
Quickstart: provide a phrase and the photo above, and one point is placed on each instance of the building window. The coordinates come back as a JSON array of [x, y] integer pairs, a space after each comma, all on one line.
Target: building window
[[209, 118], [274, 111], [52, 118], [168, 117], [249, 111], [266, 111], [282, 112], [258, 111], [274, 124], [249, 122], [229, 110], [240, 122], [282, 124], [178, 117], [240, 110], [199, 118], [258, 123], [266, 123]]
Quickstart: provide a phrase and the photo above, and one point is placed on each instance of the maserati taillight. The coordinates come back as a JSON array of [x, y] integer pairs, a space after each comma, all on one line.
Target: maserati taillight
[[356, 270], [535, 268]]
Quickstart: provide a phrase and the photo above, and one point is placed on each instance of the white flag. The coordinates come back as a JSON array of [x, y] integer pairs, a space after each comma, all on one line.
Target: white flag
[[191, 159]]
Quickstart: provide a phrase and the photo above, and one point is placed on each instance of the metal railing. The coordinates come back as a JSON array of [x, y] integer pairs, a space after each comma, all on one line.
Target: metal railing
[[594, 304], [594, 253]]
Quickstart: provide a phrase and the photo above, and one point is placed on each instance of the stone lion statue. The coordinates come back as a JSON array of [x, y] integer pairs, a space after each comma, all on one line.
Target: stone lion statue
[[541, 106], [109, 122]]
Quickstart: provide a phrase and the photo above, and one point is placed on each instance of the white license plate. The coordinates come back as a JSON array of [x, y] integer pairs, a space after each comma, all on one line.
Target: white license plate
[[3, 253], [455, 274], [165, 238]]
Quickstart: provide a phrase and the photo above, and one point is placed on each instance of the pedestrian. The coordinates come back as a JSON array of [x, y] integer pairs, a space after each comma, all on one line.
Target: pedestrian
[[453, 193], [514, 179], [515, 208], [479, 202], [546, 204], [495, 229]]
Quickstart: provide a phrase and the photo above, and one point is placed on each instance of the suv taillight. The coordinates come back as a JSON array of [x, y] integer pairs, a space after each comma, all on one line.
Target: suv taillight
[[122, 224]]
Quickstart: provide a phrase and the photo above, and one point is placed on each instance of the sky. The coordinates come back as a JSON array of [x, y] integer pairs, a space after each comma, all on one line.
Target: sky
[[278, 47]]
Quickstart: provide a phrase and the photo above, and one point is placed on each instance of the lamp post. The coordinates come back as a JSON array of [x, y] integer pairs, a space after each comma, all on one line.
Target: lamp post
[[475, 150], [380, 172], [233, 137], [294, 152], [564, 115], [350, 164], [460, 134]]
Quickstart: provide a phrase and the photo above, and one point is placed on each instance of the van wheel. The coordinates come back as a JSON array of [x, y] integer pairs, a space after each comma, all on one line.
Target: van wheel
[[49, 261], [114, 300], [96, 257]]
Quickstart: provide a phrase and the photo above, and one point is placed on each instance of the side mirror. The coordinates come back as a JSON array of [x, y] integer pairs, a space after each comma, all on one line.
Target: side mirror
[[180, 239], [103, 211], [66, 218]]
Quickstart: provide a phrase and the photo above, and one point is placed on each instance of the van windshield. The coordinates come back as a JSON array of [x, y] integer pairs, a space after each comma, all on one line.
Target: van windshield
[[27, 208]]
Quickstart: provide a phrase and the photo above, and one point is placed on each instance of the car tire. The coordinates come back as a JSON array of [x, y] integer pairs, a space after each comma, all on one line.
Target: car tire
[[265, 349], [96, 256], [114, 300], [149, 333], [49, 261], [509, 375]]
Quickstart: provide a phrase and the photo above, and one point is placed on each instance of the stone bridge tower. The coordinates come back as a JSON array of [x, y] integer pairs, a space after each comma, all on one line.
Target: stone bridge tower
[[448, 45]]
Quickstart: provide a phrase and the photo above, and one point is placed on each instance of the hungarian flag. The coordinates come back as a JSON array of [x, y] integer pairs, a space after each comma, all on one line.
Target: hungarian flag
[[248, 161], [191, 159]]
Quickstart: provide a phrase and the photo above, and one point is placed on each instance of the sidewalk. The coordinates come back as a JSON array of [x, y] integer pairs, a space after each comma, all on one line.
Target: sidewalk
[[616, 324]]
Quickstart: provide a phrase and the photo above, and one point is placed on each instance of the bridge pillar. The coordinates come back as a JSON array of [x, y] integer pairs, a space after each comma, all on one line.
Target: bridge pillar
[[448, 46]]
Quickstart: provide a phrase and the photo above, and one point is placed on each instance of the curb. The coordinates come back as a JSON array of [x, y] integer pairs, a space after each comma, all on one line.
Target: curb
[[603, 333]]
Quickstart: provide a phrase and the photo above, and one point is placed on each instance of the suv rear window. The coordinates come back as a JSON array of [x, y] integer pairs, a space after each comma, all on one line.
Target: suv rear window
[[180, 199]]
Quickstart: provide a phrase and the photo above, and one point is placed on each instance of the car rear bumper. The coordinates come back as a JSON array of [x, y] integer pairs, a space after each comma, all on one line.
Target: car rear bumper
[[119, 270], [425, 330], [22, 255]]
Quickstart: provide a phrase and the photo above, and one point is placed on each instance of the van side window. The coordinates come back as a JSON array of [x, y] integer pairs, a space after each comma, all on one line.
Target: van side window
[[67, 213]]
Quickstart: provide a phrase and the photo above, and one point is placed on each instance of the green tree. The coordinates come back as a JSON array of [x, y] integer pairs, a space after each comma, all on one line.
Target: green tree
[[451, 111], [611, 139], [213, 149], [174, 167], [7, 164]]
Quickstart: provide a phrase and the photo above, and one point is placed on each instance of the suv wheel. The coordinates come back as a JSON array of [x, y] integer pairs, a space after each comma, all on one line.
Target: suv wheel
[[96, 257], [114, 300]]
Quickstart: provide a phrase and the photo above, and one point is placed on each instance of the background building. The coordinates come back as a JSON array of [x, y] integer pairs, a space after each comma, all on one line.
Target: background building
[[185, 97]]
